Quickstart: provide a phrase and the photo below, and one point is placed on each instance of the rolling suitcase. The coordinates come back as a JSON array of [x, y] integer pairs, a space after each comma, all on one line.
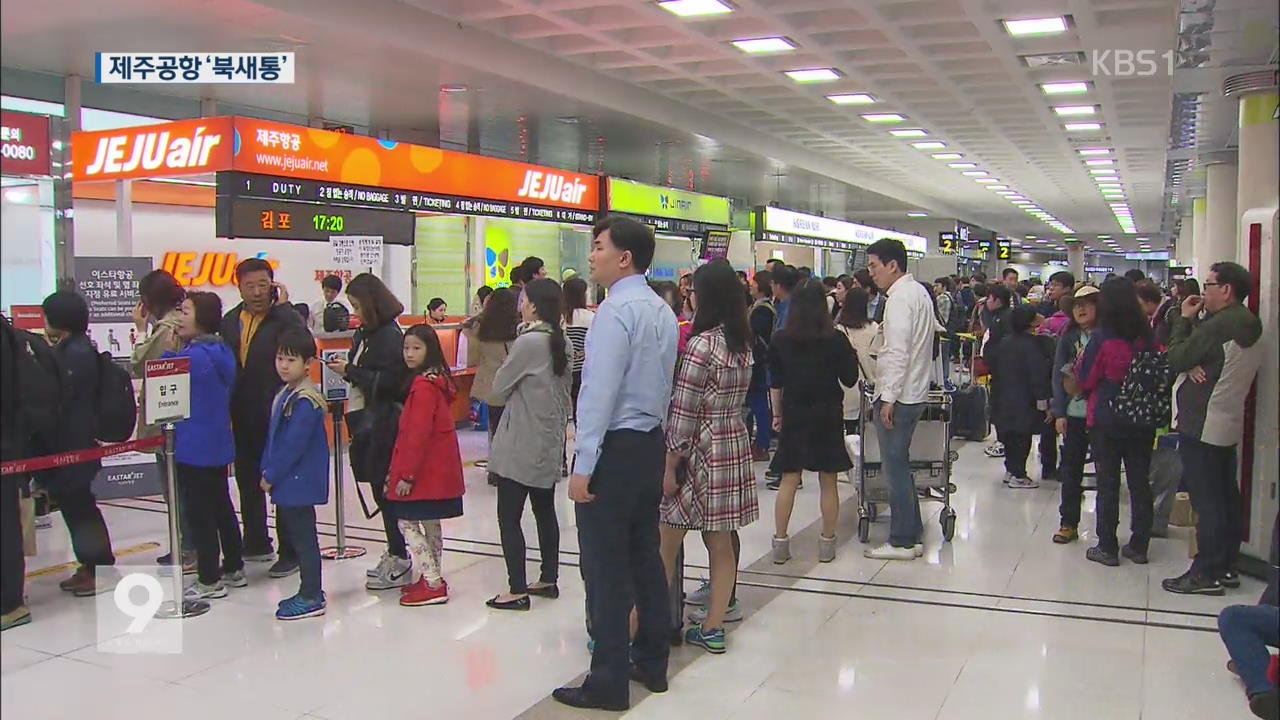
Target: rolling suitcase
[[970, 404]]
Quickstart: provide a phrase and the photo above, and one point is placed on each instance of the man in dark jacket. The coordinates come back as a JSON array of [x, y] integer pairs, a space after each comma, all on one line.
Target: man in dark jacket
[[13, 440], [252, 330], [67, 324]]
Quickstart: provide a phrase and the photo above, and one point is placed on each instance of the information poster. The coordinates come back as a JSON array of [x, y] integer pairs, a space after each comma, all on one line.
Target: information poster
[[110, 287], [362, 251]]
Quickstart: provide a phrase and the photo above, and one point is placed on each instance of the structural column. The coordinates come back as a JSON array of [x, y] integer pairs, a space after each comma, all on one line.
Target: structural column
[[1182, 244], [1075, 259], [1199, 235], [64, 230], [1259, 174], [1221, 216]]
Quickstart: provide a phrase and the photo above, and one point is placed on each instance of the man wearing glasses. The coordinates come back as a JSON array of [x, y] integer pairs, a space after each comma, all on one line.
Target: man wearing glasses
[[1216, 359]]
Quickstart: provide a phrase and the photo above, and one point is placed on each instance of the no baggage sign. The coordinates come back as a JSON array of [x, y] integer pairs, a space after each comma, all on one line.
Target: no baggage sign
[[168, 390]]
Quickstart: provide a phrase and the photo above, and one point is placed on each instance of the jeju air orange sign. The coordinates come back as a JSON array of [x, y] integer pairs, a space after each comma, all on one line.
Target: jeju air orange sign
[[216, 269], [276, 149]]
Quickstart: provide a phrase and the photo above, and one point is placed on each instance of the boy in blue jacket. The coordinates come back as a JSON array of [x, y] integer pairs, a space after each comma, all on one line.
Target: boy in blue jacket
[[295, 467]]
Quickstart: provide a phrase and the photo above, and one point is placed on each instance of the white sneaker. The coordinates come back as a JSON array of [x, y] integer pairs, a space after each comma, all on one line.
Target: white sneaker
[[699, 596], [200, 591], [699, 614], [1008, 478], [889, 552], [995, 449], [235, 579], [381, 567], [826, 549], [1023, 483], [397, 574], [918, 549]]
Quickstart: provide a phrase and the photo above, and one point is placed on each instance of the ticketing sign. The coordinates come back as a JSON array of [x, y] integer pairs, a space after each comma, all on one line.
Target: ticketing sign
[[275, 187], [293, 220], [793, 228]]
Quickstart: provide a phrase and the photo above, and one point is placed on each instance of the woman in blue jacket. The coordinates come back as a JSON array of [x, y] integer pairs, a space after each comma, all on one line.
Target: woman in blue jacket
[[205, 447]]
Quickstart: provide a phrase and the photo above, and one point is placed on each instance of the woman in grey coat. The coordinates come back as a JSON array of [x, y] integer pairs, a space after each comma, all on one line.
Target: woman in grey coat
[[525, 455]]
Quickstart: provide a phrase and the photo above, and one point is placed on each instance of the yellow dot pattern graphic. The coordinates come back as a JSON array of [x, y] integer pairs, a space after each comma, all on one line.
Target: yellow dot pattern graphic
[[361, 167]]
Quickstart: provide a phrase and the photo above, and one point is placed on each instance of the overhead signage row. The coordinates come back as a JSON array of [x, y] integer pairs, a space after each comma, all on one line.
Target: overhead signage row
[[293, 220], [274, 187], [248, 145], [787, 226], [669, 210]]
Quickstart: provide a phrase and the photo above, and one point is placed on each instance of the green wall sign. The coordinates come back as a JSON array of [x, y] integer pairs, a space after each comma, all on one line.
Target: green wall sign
[[627, 196]]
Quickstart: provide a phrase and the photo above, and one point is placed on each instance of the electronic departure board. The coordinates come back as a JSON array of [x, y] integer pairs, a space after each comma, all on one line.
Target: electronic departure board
[[291, 220]]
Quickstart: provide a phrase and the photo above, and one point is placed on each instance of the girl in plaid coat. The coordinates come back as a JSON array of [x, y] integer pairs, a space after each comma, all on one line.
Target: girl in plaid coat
[[710, 485]]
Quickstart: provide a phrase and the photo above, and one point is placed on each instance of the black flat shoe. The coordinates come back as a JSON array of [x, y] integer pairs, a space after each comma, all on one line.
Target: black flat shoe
[[521, 604], [546, 591], [652, 684], [581, 697]]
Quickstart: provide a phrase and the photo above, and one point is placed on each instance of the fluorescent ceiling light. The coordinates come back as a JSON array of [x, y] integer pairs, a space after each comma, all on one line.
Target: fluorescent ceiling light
[[917, 214], [764, 45], [985, 180], [1082, 126], [1104, 237], [852, 99], [1035, 26], [962, 165], [999, 187], [883, 117], [1015, 196], [930, 145], [1075, 110], [947, 156], [1107, 179], [1101, 171], [1064, 88], [975, 173], [1100, 161], [909, 132], [1095, 151], [812, 75], [695, 8], [1109, 185]]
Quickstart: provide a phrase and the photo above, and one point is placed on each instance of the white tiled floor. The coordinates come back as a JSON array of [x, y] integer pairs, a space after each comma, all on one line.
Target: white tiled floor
[[1000, 623]]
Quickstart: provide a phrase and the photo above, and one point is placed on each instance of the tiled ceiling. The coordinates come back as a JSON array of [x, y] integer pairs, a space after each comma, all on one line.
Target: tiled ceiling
[[672, 96], [948, 66]]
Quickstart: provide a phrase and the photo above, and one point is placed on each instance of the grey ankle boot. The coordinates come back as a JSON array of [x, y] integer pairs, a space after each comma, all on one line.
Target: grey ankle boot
[[781, 550]]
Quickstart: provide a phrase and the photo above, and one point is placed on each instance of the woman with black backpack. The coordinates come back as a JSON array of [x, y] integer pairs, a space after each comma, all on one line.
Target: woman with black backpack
[[1120, 420]]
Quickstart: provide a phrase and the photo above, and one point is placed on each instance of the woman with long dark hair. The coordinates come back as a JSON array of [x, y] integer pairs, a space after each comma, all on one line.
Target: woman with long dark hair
[[1122, 332], [864, 337], [527, 452], [375, 371], [577, 321], [809, 362], [710, 485], [488, 341]]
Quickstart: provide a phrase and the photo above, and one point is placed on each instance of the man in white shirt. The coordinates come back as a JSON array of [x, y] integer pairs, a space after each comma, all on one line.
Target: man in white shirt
[[904, 369]]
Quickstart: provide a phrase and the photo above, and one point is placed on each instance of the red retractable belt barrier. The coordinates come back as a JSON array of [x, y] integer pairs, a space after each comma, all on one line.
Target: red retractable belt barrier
[[76, 457]]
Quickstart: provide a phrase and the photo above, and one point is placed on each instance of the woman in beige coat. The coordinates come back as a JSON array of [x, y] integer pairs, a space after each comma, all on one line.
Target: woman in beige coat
[[489, 339]]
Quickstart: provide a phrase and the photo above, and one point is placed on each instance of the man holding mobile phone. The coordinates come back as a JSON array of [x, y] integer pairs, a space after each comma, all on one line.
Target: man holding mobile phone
[[252, 329]]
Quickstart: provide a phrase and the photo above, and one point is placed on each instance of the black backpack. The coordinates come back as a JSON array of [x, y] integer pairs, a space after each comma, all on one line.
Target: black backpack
[[958, 321], [336, 318], [116, 406], [1146, 393], [41, 392]]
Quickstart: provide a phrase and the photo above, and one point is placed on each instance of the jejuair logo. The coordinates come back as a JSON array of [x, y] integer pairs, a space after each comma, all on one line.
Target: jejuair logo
[[152, 150]]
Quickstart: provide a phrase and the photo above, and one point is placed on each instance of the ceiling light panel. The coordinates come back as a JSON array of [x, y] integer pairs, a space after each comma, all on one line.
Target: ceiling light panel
[[764, 45], [852, 99], [1075, 110], [695, 8], [909, 132], [929, 145], [813, 75], [883, 117], [1064, 88], [1035, 26]]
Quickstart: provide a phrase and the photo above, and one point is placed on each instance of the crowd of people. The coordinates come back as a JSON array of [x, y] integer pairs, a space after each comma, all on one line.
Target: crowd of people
[[673, 391]]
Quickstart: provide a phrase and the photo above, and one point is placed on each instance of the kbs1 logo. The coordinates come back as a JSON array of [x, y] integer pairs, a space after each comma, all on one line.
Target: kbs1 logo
[[1131, 63]]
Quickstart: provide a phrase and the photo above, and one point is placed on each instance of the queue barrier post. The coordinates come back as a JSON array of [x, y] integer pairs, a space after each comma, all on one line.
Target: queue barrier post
[[181, 607], [341, 551]]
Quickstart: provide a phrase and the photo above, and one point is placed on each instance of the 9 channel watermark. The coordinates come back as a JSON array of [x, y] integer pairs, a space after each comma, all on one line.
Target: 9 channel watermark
[[1131, 63], [131, 618]]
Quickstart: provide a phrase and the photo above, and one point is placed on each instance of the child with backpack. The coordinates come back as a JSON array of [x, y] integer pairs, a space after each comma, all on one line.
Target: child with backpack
[[67, 325], [425, 482], [295, 467], [1022, 405], [1122, 416]]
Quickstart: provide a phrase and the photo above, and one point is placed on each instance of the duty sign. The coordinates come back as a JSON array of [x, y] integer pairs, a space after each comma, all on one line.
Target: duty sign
[[167, 389]]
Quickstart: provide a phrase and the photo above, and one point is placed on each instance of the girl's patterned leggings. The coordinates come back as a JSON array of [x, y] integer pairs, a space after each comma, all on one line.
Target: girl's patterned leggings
[[425, 541]]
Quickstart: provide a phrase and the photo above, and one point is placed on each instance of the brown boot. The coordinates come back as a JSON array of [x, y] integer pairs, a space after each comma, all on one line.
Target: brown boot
[[80, 578], [1065, 534]]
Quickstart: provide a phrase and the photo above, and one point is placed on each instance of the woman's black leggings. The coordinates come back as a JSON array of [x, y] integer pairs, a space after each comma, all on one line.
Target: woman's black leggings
[[511, 499]]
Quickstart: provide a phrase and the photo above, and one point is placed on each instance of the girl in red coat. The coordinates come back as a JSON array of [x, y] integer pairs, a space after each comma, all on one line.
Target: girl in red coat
[[425, 484]]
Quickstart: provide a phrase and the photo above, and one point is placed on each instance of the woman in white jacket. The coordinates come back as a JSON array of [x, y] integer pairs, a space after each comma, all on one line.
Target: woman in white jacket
[[864, 336]]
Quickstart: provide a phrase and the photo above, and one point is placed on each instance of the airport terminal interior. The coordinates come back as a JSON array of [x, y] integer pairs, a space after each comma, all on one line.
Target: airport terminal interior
[[308, 288]]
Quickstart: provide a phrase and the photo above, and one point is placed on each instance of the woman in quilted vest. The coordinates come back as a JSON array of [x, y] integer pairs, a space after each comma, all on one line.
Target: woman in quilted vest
[[1123, 334]]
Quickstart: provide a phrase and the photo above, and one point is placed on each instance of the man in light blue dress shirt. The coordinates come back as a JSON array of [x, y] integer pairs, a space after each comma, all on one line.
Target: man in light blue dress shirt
[[618, 469]]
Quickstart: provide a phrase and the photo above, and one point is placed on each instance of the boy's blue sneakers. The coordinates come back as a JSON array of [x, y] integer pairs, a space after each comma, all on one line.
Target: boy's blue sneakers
[[710, 640], [298, 607]]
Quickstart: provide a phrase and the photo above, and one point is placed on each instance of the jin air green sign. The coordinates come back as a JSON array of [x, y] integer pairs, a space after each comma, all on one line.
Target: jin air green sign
[[698, 211]]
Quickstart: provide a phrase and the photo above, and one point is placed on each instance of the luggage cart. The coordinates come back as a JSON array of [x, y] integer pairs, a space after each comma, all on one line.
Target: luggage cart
[[931, 461]]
